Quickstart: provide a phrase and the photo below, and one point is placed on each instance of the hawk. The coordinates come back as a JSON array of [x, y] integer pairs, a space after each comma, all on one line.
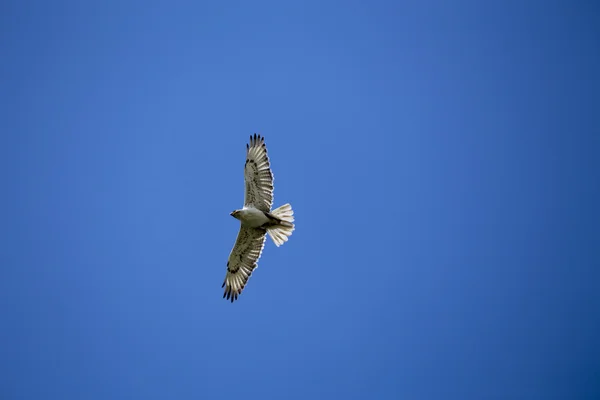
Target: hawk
[[256, 219]]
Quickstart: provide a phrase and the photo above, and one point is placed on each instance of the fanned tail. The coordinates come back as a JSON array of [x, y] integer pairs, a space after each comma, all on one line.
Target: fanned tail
[[282, 231]]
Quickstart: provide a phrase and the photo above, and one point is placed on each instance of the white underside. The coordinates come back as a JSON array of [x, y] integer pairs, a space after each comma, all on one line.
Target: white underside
[[252, 218]]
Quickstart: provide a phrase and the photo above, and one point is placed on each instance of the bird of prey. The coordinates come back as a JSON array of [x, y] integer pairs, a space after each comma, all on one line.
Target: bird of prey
[[256, 219]]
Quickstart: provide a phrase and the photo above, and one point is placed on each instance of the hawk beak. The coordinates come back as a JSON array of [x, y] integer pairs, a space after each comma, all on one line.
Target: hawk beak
[[231, 213]]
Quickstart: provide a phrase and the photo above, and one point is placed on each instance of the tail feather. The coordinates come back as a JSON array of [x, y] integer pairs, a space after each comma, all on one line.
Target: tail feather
[[281, 232]]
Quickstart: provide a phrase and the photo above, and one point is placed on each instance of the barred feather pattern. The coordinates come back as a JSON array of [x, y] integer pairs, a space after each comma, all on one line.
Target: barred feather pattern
[[258, 176], [243, 259]]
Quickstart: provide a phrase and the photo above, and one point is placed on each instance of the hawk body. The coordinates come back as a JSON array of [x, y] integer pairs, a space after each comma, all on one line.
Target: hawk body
[[256, 219], [252, 217]]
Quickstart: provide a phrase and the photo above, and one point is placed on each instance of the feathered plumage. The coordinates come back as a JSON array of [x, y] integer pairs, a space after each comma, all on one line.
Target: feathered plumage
[[256, 219]]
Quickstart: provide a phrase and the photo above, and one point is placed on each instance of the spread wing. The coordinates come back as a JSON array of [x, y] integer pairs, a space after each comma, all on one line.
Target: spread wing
[[242, 260], [258, 175]]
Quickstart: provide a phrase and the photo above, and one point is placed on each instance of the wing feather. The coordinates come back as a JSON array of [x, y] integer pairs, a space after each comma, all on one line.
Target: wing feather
[[258, 176], [243, 259]]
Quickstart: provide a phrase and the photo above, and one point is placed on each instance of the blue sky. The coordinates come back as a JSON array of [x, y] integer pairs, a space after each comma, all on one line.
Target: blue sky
[[441, 159]]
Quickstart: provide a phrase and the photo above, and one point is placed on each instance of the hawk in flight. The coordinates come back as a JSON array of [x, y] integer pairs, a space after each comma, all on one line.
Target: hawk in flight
[[256, 219]]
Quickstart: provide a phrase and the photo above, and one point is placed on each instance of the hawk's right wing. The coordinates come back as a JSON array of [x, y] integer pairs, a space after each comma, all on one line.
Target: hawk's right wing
[[243, 260], [258, 176]]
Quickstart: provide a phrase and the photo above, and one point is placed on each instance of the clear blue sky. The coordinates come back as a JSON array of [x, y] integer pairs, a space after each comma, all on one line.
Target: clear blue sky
[[441, 158]]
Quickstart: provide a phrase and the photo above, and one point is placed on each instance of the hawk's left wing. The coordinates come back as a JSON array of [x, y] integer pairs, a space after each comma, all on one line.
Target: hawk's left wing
[[242, 260], [258, 175]]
